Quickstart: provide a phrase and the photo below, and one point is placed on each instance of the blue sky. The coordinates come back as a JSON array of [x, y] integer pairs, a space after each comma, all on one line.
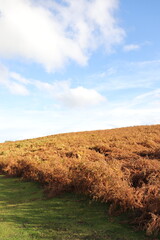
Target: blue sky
[[78, 65]]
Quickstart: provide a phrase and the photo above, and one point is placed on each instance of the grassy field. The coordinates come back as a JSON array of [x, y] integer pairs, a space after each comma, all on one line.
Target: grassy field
[[119, 167], [26, 214]]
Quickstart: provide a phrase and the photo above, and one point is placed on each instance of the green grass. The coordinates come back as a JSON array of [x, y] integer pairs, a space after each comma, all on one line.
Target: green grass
[[26, 214]]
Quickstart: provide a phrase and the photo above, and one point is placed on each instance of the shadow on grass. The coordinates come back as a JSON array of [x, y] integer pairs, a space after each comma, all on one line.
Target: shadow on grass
[[25, 214]]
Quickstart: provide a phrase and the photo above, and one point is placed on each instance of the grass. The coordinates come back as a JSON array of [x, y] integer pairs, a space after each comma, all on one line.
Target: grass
[[26, 214]]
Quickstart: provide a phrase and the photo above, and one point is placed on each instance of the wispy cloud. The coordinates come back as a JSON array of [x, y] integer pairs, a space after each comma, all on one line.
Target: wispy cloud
[[134, 47], [100, 75], [52, 33], [60, 91], [148, 99], [131, 75], [155, 93], [17, 88], [19, 78], [153, 63], [131, 47], [9, 81]]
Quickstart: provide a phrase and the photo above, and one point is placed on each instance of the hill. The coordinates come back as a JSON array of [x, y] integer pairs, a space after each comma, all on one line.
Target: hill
[[118, 166]]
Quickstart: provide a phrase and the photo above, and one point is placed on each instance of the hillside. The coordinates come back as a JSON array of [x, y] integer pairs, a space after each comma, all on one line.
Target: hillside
[[118, 166]]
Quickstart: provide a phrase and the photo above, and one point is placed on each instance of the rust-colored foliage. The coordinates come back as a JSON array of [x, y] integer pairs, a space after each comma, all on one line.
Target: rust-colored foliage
[[119, 166]]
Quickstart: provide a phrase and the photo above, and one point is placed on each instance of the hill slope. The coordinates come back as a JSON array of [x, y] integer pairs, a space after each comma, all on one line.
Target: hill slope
[[119, 166]]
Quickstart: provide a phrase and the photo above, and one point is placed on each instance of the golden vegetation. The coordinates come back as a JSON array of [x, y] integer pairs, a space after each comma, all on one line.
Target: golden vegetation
[[118, 166]]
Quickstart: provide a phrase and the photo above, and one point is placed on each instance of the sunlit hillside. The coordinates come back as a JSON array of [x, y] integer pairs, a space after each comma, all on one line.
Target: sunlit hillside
[[118, 166]]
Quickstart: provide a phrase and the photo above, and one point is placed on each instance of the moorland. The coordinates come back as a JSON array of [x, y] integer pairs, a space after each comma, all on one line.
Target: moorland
[[119, 167]]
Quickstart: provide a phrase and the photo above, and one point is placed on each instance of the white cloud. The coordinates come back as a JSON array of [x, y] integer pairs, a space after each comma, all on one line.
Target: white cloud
[[51, 33], [80, 97], [8, 80], [131, 47], [71, 97]]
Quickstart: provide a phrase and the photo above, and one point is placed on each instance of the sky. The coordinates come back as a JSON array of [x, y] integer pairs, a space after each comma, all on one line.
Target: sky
[[69, 66]]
